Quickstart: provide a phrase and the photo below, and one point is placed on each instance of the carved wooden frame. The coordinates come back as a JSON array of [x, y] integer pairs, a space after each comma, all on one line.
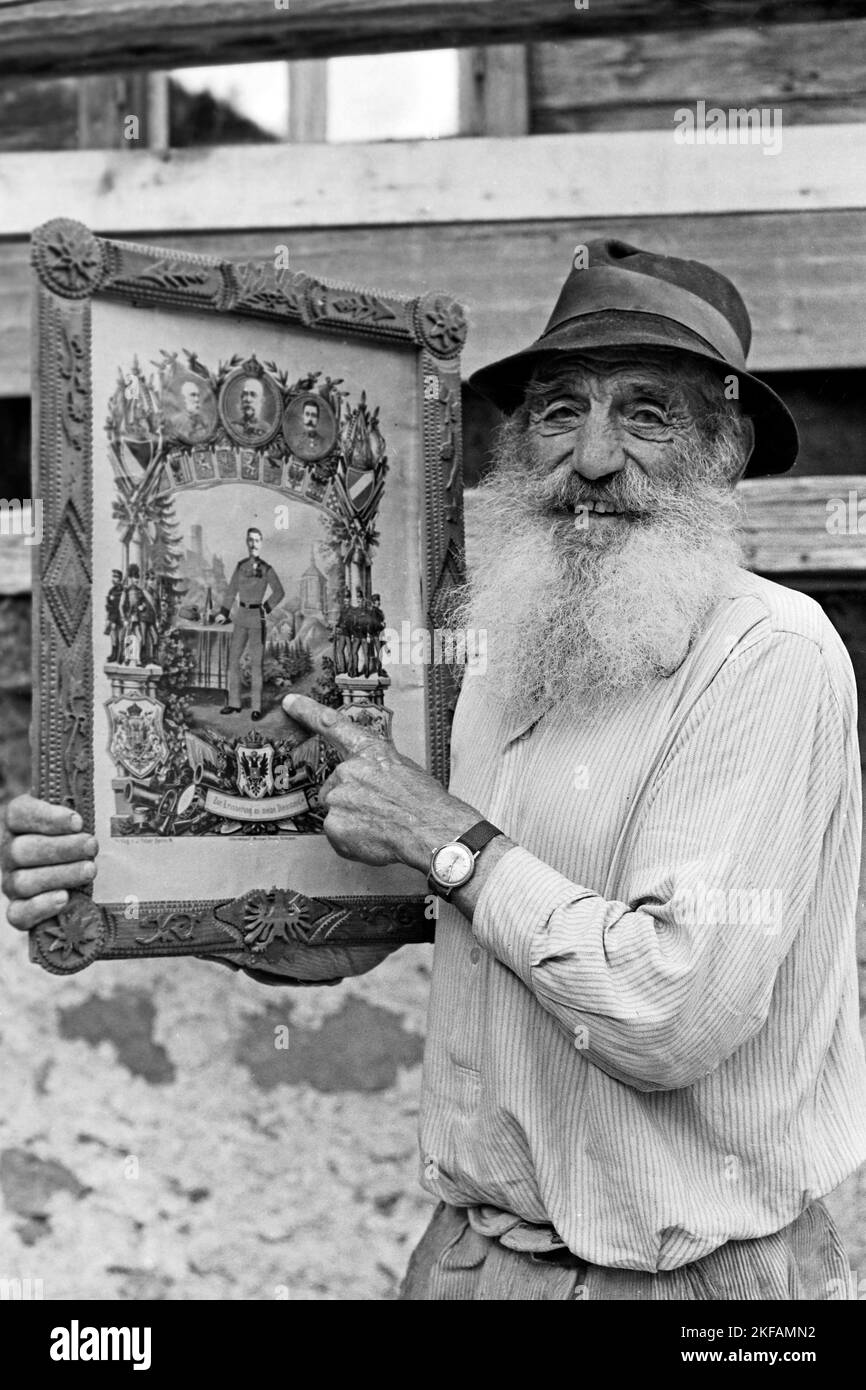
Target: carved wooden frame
[[73, 266]]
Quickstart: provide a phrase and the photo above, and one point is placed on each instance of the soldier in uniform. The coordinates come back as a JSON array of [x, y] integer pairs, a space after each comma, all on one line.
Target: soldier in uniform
[[113, 618], [138, 617], [190, 421], [307, 442], [250, 582], [250, 421]]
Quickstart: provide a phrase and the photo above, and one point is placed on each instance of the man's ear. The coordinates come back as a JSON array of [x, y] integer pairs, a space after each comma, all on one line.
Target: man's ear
[[748, 447], [750, 437]]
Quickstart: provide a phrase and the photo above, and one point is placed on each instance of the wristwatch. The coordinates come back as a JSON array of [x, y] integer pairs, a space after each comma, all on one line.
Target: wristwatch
[[452, 865]]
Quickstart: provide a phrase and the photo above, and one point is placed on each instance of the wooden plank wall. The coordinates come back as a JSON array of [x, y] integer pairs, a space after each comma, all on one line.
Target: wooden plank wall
[[814, 74], [55, 37], [808, 309]]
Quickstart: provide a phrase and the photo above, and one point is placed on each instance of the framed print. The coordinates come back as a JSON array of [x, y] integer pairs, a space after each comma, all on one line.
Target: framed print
[[248, 476]]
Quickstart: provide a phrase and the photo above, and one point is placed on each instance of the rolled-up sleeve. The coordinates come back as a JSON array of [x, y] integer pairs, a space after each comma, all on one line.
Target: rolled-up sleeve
[[661, 983]]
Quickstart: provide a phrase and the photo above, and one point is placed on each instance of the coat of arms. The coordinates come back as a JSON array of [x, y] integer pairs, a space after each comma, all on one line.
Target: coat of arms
[[137, 740], [255, 768]]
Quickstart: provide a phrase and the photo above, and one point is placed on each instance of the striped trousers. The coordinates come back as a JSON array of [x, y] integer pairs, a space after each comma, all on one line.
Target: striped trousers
[[805, 1260]]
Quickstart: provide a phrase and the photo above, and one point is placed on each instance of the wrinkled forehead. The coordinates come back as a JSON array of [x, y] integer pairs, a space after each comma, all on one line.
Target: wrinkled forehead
[[667, 373]]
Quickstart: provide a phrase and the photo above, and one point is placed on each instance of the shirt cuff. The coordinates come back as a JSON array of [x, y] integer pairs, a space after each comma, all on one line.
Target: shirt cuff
[[516, 903]]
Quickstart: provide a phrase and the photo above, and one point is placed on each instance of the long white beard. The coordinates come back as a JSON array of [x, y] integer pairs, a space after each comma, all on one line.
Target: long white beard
[[579, 616]]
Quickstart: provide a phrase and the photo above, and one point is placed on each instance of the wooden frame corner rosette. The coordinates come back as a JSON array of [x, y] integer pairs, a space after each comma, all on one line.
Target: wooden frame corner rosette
[[284, 932]]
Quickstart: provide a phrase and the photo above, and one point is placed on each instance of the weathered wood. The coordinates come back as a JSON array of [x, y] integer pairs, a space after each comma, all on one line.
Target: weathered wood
[[158, 110], [795, 527], [15, 563], [14, 641], [105, 106], [813, 72], [493, 90], [39, 115], [51, 37], [308, 101], [803, 276], [639, 173]]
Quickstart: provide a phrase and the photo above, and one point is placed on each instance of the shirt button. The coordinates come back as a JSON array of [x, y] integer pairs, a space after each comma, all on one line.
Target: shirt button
[[475, 955]]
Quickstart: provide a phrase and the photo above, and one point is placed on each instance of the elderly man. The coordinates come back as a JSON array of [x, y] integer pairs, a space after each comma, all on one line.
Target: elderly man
[[249, 422], [190, 420], [643, 1068]]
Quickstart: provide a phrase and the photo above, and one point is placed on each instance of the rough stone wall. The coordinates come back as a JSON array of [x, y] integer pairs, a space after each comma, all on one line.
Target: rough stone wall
[[157, 1143]]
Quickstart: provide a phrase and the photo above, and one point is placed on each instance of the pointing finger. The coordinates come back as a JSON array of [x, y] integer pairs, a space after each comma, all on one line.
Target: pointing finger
[[332, 724]]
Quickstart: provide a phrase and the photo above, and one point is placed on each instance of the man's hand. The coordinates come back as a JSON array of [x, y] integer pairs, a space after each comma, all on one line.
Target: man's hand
[[45, 853], [381, 807]]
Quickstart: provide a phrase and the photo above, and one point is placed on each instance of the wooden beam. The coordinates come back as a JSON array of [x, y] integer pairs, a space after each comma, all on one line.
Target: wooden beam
[[56, 37], [807, 309], [493, 90], [158, 111], [811, 72], [804, 525], [641, 173], [113, 112], [127, 111], [308, 101]]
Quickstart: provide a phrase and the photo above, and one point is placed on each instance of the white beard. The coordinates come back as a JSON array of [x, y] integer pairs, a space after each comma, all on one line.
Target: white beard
[[580, 616]]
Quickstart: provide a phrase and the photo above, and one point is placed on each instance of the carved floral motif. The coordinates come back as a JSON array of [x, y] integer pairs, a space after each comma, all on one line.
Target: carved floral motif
[[72, 939], [68, 258], [441, 324]]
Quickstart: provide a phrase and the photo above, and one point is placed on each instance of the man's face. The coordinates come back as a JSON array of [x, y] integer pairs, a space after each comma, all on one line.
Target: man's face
[[254, 544], [608, 526], [604, 441], [310, 418], [191, 397], [252, 393]]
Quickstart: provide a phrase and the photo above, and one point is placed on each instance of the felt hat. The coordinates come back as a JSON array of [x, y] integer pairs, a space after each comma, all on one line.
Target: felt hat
[[627, 297]]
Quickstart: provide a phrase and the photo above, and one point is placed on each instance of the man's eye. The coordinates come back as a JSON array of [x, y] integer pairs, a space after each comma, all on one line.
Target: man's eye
[[560, 413], [647, 415]]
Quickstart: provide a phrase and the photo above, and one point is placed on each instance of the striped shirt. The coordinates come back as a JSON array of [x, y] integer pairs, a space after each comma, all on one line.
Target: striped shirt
[[648, 1035]]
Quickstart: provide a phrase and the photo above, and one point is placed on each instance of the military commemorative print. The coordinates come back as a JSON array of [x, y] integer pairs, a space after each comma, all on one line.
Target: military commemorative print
[[250, 478], [245, 570]]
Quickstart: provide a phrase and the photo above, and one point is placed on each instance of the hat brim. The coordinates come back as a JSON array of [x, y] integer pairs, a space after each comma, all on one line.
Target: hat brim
[[777, 442]]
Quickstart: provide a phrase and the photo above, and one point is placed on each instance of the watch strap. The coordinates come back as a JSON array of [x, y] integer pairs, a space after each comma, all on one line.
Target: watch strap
[[478, 835]]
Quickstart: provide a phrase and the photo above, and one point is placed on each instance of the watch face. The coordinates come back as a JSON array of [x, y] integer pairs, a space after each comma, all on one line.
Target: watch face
[[453, 864]]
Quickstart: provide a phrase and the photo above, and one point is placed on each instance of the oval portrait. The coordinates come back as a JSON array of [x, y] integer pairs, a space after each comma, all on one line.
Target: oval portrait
[[190, 408], [249, 406], [309, 427]]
